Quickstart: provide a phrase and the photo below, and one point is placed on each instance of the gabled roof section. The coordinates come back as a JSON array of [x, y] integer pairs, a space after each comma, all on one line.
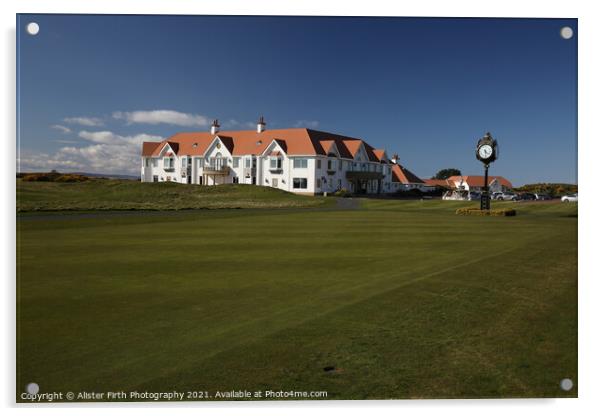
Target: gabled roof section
[[295, 142], [476, 180], [149, 147], [282, 144], [353, 146], [403, 175], [227, 141], [274, 147], [381, 154], [445, 183], [328, 146], [162, 145], [370, 151], [174, 146]]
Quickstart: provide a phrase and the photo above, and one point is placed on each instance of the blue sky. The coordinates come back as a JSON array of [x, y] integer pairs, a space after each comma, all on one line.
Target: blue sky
[[91, 88]]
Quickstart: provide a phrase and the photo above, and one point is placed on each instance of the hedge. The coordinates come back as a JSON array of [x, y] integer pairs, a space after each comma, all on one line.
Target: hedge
[[505, 212]]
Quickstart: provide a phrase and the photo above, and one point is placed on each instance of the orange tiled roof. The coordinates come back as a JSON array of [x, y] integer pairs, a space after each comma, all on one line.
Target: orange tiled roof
[[326, 145], [439, 182], [301, 142], [148, 148], [476, 180], [403, 175], [445, 183], [379, 153]]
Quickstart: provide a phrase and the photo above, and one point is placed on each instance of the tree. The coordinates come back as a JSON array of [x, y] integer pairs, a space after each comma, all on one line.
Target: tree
[[446, 173]]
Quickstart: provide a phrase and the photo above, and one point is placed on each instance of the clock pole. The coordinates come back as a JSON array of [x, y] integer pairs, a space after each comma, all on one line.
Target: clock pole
[[487, 153], [485, 199]]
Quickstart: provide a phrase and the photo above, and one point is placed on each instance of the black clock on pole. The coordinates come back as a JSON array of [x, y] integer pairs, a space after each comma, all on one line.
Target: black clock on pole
[[487, 152]]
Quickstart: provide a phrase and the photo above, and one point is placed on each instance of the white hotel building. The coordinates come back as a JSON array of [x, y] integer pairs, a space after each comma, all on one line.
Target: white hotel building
[[296, 160]]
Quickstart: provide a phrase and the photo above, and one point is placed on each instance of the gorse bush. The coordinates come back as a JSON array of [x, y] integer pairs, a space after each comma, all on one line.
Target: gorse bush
[[342, 193], [504, 212], [53, 177]]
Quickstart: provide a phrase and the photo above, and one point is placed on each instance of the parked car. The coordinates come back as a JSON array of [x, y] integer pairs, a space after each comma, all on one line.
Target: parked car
[[506, 196], [542, 197], [495, 195], [474, 196], [527, 196], [569, 198]]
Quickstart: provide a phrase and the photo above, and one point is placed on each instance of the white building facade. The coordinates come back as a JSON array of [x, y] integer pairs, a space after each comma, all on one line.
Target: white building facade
[[296, 160], [475, 183]]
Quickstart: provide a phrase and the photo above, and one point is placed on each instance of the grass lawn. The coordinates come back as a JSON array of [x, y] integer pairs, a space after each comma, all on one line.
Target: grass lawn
[[116, 194], [404, 298]]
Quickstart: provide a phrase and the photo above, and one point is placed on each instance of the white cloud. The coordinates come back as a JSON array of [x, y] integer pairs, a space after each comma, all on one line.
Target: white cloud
[[107, 153], [163, 117], [229, 124], [60, 128], [312, 124], [65, 141], [84, 121], [106, 137]]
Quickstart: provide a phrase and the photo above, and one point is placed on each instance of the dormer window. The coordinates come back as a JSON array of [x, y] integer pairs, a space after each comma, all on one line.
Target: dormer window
[[168, 163], [275, 163], [195, 145]]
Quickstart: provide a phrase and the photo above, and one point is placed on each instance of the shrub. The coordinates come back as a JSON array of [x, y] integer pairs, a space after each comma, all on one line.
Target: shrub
[[342, 193], [71, 177], [505, 212], [412, 193], [41, 177], [53, 177]]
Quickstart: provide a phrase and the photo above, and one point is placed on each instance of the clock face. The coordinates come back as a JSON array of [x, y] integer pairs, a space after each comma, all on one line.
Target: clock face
[[485, 151]]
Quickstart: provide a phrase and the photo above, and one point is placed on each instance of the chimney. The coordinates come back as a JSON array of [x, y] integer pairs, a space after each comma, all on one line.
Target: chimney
[[260, 125], [215, 127], [395, 159]]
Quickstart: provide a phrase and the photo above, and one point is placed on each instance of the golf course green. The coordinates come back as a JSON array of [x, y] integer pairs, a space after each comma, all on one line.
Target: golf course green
[[395, 299]]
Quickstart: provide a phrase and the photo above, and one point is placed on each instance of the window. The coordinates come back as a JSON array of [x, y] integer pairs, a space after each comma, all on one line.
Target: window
[[168, 163], [340, 185], [300, 163], [330, 182], [154, 162], [341, 165], [155, 178], [300, 183], [147, 162], [247, 162], [234, 179], [275, 182], [317, 183], [319, 163], [235, 162], [275, 163]]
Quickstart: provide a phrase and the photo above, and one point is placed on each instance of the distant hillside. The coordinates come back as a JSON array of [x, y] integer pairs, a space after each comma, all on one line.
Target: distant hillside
[[107, 175], [119, 194], [552, 189], [54, 173]]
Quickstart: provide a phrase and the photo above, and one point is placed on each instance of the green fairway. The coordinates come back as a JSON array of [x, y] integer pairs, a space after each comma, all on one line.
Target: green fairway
[[404, 298]]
